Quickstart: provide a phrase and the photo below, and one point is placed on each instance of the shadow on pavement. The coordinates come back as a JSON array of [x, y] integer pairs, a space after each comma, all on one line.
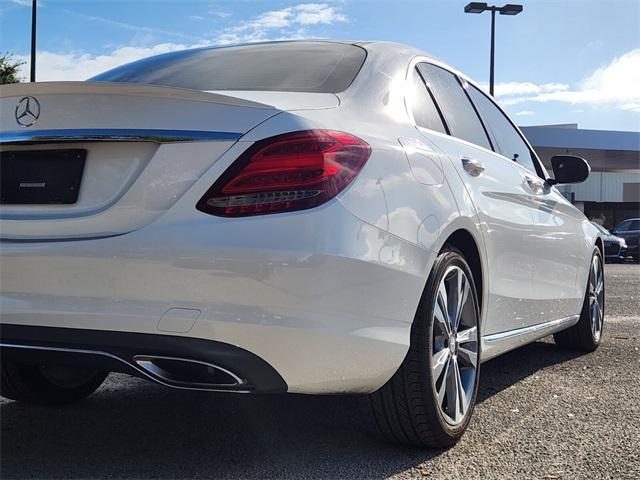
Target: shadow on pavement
[[144, 430]]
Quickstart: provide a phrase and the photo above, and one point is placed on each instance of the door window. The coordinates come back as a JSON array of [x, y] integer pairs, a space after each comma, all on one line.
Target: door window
[[506, 138], [425, 112], [458, 112]]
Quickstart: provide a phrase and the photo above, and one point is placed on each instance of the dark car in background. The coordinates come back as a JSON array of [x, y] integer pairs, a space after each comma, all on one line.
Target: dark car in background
[[630, 230], [615, 248]]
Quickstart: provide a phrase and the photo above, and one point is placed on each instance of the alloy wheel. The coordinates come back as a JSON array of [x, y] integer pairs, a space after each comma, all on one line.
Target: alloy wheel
[[454, 359], [596, 297]]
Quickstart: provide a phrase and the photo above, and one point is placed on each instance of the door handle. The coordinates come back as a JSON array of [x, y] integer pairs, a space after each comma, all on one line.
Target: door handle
[[535, 185], [472, 166]]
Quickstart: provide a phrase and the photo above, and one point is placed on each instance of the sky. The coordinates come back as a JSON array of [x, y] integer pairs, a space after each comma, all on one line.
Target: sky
[[562, 61]]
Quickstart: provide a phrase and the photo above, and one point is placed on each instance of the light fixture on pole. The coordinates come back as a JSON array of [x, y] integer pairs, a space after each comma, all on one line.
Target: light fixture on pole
[[479, 7]]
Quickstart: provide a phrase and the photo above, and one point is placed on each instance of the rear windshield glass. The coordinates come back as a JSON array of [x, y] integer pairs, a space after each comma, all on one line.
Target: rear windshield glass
[[320, 67]]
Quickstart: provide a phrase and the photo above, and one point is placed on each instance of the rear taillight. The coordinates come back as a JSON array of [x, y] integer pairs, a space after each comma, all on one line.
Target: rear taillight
[[288, 172]]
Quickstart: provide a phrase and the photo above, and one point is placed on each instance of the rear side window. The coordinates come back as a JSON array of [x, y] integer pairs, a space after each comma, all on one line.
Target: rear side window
[[318, 67], [458, 112], [506, 138], [425, 112]]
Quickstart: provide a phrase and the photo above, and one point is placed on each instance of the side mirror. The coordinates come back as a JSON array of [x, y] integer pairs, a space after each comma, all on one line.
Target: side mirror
[[569, 169]]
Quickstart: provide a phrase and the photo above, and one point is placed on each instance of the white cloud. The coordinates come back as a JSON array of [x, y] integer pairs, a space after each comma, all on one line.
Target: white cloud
[[615, 84], [524, 113], [220, 13], [24, 3], [525, 88], [290, 22], [632, 106], [128, 26], [53, 66], [317, 13]]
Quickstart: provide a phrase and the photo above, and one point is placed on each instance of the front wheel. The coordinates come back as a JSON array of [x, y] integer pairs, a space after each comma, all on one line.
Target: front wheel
[[429, 400], [47, 384], [587, 333]]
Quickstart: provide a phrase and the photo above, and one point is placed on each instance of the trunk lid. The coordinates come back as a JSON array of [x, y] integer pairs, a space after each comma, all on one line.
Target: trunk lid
[[144, 147]]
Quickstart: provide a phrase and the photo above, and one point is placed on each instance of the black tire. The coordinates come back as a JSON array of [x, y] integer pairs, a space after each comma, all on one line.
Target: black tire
[[33, 384], [405, 409], [582, 336]]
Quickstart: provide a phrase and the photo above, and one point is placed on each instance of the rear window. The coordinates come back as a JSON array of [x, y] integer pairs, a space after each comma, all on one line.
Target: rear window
[[320, 67]]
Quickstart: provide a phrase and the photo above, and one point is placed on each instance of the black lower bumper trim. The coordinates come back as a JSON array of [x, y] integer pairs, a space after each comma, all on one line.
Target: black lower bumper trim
[[70, 346]]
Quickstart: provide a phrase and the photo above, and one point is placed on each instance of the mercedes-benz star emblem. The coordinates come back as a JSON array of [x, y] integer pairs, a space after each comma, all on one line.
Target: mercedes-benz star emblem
[[27, 111]]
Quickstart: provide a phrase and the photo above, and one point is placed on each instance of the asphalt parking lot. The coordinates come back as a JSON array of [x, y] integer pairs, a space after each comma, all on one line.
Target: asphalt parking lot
[[542, 413]]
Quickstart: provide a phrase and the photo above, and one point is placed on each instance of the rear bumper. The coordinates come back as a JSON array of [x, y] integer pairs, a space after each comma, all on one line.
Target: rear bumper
[[322, 298], [118, 351]]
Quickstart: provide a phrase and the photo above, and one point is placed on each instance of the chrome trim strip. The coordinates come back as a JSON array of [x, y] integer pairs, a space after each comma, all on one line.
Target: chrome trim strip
[[110, 355], [113, 135], [498, 343]]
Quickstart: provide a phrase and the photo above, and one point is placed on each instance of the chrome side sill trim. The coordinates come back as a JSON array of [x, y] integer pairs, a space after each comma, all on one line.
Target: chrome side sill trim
[[110, 355], [499, 343], [113, 135]]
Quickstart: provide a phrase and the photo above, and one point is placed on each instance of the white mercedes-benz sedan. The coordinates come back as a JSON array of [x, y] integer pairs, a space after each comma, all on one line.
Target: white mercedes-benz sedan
[[314, 217]]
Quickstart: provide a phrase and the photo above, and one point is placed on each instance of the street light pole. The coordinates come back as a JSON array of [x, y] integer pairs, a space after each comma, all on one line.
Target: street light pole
[[492, 60], [34, 6], [479, 7]]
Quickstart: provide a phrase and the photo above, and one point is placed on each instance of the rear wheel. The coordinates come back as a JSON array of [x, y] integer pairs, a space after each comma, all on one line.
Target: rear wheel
[[430, 399], [47, 384], [587, 333]]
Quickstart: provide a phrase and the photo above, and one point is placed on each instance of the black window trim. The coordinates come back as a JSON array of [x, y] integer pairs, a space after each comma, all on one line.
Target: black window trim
[[462, 83], [433, 99]]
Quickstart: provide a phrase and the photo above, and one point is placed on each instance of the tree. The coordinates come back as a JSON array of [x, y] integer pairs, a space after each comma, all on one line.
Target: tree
[[9, 69]]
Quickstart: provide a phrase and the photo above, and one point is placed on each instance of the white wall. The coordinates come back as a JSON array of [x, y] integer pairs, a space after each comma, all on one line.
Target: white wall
[[601, 187]]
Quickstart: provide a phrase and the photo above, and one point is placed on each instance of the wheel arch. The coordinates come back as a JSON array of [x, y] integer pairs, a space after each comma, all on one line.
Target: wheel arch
[[464, 241], [600, 246]]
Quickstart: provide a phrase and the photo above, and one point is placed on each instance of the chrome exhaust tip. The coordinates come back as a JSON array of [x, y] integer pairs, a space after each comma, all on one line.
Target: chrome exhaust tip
[[189, 374]]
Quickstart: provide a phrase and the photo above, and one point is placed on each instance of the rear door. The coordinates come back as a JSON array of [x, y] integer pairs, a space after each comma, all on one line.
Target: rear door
[[557, 239], [500, 198]]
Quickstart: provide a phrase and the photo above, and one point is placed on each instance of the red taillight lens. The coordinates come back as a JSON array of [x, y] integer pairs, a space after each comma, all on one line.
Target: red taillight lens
[[288, 172]]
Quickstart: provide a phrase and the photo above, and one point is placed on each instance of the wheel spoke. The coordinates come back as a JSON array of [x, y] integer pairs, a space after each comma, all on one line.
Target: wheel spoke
[[443, 386], [599, 286], [462, 396], [440, 314], [460, 298], [467, 335], [468, 356], [439, 361], [452, 391]]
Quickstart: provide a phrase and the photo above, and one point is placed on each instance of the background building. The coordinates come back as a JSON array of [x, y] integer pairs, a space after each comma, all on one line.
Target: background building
[[612, 191]]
